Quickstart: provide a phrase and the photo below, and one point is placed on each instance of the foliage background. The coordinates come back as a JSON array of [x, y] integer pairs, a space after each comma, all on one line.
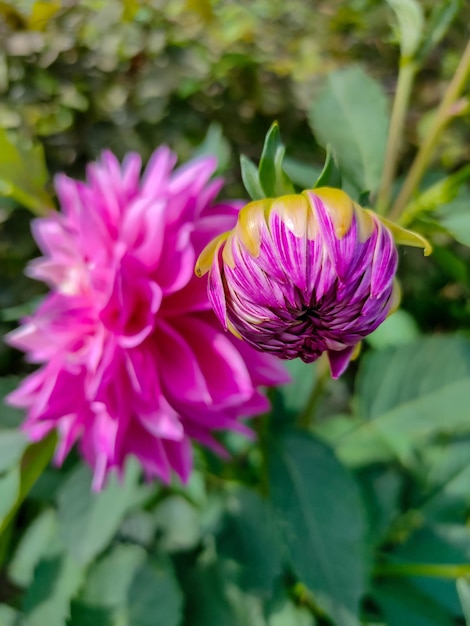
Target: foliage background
[[362, 515]]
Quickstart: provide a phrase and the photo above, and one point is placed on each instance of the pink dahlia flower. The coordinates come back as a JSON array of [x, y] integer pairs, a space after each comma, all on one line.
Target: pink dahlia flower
[[133, 360], [305, 274]]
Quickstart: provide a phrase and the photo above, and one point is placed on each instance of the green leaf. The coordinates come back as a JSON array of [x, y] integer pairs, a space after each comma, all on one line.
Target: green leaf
[[400, 328], [250, 178], [55, 582], [247, 608], [446, 480], [84, 615], [23, 173], [9, 488], [135, 590], [33, 546], [179, 523], [455, 218], [110, 578], [406, 393], [381, 488], [330, 175], [248, 537], [296, 393], [351, 114], [34, 461], [463, 589], [12, 446], [439, 196], [8, 616], [434, 547], [42, 13], [215, 144], [392, 377], [154, 597], [204, 586], [88, 521], [10, 417], [272, 177], [404, 605], [291, 615], [321, 517], [410, 18]]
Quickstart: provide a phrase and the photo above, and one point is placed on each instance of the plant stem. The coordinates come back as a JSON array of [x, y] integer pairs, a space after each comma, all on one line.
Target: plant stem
[[405, 82], [305, 417], [443, 116], [428, 570]]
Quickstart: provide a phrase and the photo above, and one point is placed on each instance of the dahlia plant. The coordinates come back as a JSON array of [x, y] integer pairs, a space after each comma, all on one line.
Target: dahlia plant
[[172, 317]]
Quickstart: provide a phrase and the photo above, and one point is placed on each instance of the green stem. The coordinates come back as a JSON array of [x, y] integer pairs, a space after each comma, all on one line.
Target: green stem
[[427, 570], [443, 116], [305, 418], [405, 82]]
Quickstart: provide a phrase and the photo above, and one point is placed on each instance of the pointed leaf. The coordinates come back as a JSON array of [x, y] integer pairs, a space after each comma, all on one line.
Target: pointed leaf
[[215, 144], [35, 459], [250, 178], [272, 177], [330, 175]]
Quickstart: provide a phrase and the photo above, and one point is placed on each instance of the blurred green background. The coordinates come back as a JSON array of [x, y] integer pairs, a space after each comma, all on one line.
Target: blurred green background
[[202, 75]]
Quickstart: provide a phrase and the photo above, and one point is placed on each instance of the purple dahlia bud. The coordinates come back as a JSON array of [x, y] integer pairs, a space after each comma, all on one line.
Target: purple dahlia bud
[[305, 274]]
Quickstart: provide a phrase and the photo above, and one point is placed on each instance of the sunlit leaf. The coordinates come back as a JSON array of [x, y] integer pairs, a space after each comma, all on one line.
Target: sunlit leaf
[[42, 12], [23, 173], [407, 396], [351, 115]]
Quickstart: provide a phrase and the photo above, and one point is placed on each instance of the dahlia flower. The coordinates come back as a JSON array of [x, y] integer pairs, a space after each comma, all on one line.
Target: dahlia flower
[[305, 274], [133, 359]]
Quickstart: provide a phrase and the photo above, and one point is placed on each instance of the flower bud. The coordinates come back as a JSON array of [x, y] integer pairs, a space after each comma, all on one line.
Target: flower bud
[[305, 274]]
